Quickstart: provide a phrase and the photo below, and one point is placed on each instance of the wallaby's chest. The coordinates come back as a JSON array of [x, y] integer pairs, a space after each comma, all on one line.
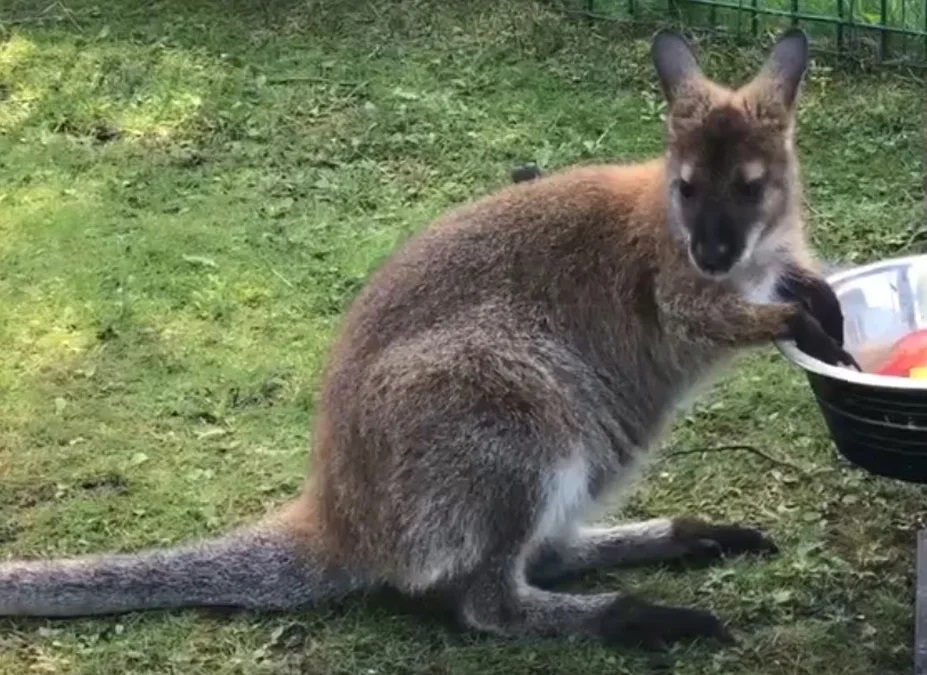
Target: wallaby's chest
[[760, 287]]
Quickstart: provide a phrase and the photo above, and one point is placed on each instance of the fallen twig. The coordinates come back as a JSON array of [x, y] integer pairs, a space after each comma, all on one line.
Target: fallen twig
[[748, 448], [282, 278], [288, 79], [917, 233]]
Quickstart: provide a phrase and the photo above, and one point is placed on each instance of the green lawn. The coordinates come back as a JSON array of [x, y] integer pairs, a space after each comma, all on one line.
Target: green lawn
[[189, 198]]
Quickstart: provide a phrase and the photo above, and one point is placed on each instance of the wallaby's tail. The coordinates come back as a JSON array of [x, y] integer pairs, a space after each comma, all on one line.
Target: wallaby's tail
[[273, 566]]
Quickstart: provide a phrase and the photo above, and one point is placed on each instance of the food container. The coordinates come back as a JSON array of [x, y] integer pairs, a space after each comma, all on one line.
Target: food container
[[877, 422]]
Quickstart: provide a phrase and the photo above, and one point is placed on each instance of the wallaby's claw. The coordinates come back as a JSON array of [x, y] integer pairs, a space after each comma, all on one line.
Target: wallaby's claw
[[710, 542]]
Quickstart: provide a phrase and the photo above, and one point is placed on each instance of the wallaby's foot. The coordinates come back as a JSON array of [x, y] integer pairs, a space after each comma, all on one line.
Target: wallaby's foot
[[633, 622], [516, 610], [651, 541], [705, 542]]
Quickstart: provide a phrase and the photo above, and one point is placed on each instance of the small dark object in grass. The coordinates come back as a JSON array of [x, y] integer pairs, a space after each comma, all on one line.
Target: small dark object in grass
[[526, 172], [106, 334], [105, 133]]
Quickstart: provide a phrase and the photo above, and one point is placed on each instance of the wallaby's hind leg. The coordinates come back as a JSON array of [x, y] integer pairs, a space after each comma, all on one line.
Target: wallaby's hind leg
[[657, 540], [511, 473], [497, 602]]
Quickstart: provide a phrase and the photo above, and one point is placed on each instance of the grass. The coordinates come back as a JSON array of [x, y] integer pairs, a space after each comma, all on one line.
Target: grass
[[190, 197]]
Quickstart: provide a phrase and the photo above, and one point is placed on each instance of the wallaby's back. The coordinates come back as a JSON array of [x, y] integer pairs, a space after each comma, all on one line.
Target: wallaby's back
[[529, 243]]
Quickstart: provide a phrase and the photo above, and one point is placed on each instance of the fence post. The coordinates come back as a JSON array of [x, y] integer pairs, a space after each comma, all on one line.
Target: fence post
[[840, 27], [883, 37]]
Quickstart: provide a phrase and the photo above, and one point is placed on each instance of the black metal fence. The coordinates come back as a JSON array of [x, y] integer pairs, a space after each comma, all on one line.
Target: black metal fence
[[884, 31]]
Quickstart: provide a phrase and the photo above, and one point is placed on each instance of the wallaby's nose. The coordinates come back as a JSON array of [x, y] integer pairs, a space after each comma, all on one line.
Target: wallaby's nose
[[713, 258]]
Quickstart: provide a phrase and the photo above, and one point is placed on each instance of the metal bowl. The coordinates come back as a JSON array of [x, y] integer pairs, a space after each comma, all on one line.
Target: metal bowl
[[877, 422]]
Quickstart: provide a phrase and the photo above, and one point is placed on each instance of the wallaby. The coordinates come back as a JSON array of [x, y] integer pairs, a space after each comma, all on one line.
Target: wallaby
[[509, 367]]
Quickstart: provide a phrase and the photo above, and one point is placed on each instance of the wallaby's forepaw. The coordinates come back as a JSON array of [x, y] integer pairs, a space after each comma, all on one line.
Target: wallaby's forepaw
[[818, 298], [634, 622], [811, 338], [706, 541]]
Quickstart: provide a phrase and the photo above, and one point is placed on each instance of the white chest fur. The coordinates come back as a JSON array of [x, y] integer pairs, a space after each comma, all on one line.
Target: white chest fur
[[759, 289]]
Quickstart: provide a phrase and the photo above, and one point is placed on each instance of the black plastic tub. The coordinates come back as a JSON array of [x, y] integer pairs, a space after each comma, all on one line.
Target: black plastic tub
[[878, 423]]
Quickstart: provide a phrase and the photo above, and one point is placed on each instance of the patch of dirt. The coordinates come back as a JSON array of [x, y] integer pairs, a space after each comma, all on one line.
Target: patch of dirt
[[27, 497], [99, 132], [9, 531], [111, 483]]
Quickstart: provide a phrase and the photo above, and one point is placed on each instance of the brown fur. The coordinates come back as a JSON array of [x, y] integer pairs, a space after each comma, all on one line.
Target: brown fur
[[500, 374]]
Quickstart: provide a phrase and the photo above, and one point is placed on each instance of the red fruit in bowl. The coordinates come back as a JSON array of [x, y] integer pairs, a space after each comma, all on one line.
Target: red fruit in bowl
[[909, 352]]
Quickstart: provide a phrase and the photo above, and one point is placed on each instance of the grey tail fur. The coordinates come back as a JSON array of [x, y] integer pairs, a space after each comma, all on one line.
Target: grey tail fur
[[259, 568]]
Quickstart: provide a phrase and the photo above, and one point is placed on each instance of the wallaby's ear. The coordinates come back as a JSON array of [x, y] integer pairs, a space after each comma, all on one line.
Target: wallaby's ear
[[787, 64], [674, 60]]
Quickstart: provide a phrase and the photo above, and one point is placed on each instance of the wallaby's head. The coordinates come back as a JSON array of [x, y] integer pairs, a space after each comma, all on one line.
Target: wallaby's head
[[732, 171]]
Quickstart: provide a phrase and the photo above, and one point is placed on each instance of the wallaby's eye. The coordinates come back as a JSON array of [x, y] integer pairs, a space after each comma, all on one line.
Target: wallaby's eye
[[686, 189], [750, 190]]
